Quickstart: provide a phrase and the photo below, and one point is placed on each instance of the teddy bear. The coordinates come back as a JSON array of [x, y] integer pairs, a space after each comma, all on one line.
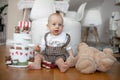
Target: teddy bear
[[89, 59]]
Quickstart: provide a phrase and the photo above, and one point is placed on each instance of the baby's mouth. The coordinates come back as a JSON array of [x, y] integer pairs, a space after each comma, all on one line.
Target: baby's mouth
[[56, 31]]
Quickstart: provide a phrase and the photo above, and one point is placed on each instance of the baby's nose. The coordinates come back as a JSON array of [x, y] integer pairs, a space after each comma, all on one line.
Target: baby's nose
[[57, 26]]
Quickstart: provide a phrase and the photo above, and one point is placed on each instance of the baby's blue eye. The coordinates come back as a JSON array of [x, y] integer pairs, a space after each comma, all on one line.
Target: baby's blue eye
[[60, 24], [54, 24]]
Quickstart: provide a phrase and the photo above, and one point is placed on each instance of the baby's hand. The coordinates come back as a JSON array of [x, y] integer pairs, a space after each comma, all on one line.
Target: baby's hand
[[37, 48]]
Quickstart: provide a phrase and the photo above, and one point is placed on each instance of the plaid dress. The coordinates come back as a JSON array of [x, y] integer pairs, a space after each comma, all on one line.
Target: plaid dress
[[53, 53]]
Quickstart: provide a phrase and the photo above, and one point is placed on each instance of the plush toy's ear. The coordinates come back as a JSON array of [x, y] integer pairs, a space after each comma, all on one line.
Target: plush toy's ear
[[82, 45], [108, 51]]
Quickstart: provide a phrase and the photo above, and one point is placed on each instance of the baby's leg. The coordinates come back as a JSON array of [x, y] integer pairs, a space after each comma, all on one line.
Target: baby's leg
[[63, 66], [37, 62]]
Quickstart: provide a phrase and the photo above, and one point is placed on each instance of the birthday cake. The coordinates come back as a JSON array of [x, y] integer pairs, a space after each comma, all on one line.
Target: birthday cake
[[21, 50]]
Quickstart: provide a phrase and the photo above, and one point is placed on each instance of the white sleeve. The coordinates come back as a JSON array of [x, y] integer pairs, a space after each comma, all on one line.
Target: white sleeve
[[68, 47]]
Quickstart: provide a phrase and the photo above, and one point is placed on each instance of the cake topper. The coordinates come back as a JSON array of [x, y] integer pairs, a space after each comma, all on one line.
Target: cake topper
[[17, 29]]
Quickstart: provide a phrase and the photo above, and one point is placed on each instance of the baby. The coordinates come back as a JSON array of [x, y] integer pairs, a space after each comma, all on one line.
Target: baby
[[55, 46]]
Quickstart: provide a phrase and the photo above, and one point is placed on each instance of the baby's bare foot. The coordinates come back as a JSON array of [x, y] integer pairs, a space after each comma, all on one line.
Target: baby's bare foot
[[64, 67], [34, 66]]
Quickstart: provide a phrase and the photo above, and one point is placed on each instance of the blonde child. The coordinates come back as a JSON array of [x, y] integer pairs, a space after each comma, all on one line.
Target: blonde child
[[55, 46]]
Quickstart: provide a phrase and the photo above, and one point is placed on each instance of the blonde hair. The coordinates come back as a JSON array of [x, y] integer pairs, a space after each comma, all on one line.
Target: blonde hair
[[55, 14]]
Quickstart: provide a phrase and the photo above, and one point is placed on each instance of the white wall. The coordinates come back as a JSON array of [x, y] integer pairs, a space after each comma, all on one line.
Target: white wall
[[107, 7], [14, 15]]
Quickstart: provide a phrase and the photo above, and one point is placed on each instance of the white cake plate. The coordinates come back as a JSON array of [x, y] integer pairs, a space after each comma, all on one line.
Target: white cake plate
[[19, 66]]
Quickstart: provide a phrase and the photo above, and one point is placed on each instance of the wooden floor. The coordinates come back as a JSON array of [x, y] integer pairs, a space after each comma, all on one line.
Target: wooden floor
[[9, 73]]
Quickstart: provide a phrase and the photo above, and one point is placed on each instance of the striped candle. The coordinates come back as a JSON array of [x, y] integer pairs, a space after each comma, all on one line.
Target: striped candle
[[22, 24]]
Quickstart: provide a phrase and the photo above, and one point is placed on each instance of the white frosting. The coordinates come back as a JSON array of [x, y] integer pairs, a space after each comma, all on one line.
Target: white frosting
[[23, 38]]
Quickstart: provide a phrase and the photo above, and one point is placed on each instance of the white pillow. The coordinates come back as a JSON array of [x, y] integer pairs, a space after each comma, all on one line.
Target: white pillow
[[42, 8]]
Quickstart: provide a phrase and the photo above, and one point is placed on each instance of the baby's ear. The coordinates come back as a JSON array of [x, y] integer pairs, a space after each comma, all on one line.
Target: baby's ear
[[63, 25], [47, 25]]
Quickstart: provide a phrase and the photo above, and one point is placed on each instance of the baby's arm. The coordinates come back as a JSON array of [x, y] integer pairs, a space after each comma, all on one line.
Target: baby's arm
[[40, 47]]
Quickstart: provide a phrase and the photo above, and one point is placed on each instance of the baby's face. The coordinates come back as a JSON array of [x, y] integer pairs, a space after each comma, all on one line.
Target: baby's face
[[55, 24]]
